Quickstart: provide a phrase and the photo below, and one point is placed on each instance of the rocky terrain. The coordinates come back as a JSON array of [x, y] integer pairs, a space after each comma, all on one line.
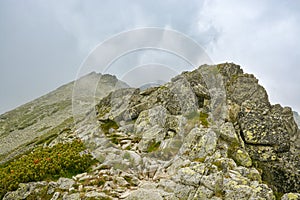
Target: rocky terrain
[[208, 134]]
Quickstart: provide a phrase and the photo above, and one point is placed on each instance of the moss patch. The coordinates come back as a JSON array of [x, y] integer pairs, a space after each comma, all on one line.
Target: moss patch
[[153, 146], [196, 117], [108, 124], [203, 119]]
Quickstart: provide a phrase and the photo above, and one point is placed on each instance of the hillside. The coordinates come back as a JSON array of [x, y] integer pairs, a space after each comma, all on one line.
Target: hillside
[[208, 134], [47, 117]]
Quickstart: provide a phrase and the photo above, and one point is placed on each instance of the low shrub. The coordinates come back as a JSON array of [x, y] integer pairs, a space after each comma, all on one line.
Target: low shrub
[[61, 160]]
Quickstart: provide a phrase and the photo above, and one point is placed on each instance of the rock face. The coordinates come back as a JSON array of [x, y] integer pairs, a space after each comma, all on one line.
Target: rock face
[[208, 134], [269, 132]]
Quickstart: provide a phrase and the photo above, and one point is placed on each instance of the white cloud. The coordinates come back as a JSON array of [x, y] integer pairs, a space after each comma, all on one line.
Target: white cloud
[[263, 38]]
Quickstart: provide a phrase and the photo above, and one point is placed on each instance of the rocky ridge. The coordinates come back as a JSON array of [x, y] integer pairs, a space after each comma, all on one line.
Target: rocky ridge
[[208, 134]]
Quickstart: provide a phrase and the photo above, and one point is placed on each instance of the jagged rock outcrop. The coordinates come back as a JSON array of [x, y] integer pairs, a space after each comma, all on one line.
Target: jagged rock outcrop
[[208, 134], [269, 132]]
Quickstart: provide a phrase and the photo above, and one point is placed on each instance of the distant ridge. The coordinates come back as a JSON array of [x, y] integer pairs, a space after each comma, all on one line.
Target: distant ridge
[[46, 117]]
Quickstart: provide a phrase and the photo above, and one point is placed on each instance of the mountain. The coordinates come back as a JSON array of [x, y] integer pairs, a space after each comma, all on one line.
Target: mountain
[[207, 134], [43, 119]]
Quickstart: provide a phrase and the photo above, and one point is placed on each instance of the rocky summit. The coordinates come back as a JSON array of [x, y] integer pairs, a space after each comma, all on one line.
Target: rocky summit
[[207, 134]]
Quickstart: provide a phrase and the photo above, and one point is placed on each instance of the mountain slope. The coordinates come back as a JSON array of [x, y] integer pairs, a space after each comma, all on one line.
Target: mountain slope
[[46, 117], [208, 134]]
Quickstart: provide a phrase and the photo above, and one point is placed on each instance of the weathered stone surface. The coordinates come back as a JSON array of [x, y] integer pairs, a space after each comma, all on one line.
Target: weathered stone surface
[[26, 190], [255, 132], [268, 131], [74, 196], [95, 195], [144, 194], [55, 196], [291, 196], [65, 183], [228, 134], [242, 157]]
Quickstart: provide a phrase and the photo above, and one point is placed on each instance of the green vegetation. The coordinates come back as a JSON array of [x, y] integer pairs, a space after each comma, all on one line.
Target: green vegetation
[[108, 124], [277, 195], [62, 160], [130, 181], [46, 138], [153, 146], [126, 155], [203, 119], [41, 192], [195, 117], [115, 138]]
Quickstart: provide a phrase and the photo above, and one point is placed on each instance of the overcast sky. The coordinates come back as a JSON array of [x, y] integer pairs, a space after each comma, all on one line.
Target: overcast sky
[[43, 43]]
